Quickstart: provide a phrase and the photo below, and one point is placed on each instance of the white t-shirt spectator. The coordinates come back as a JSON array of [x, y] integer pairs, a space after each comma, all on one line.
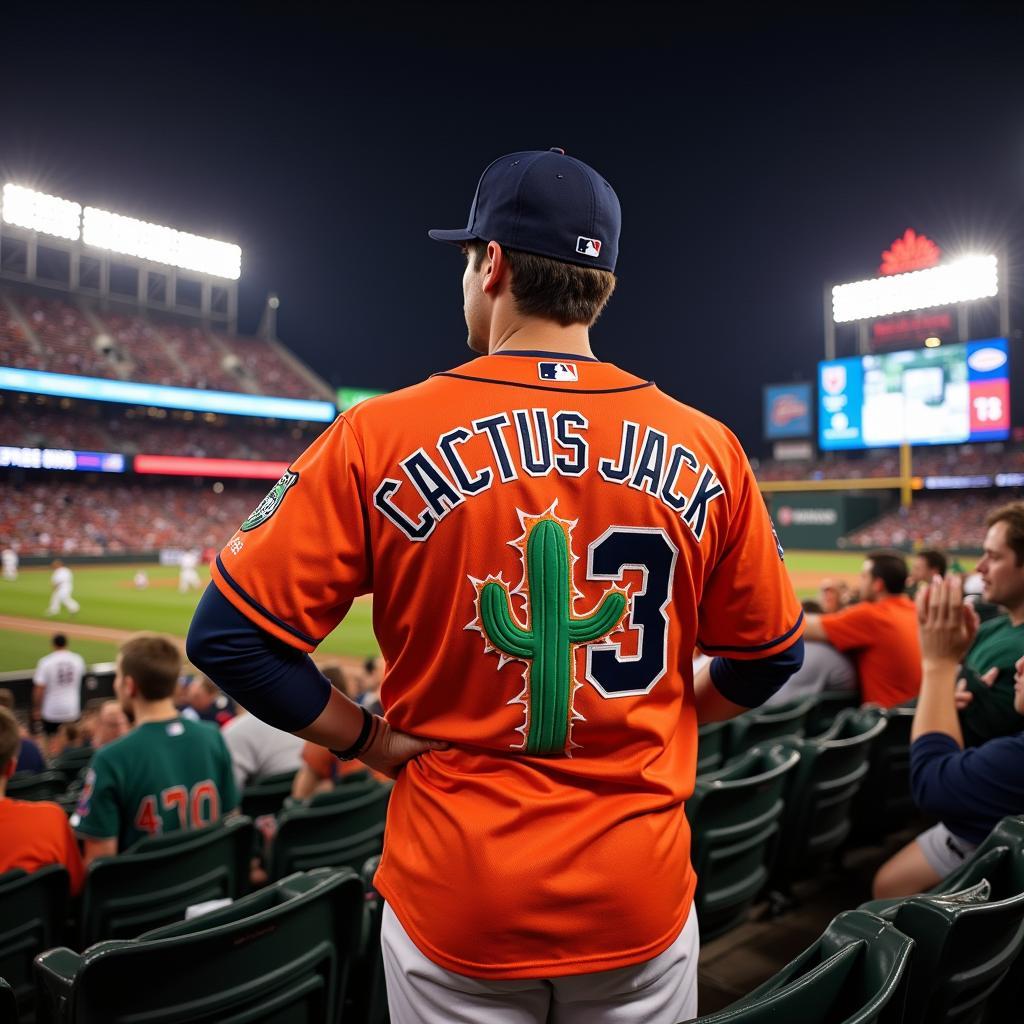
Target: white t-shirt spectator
[[61, 673], [259, 749]]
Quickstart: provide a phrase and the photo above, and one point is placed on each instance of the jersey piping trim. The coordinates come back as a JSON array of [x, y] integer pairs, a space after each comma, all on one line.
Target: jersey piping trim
[[530, 353], [270, 616], [539, 387], [754, 647]]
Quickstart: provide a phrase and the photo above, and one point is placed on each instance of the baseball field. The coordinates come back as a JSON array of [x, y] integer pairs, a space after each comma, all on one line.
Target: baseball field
[[112, 608]]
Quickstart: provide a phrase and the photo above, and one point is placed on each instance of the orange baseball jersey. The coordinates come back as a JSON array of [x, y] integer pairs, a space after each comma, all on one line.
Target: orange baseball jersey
[[546, 540]]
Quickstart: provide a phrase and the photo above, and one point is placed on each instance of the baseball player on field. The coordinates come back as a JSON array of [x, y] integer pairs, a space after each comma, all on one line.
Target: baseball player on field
[[188, 578], [547, 538], [62, 582]]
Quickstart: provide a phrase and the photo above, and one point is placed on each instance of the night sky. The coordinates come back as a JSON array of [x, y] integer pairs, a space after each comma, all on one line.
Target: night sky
[[754, 160]]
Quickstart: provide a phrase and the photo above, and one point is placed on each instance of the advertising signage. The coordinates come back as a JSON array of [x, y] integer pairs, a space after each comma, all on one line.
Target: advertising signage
[[787, 411], [946, 395], [66, 385], [18, 457]]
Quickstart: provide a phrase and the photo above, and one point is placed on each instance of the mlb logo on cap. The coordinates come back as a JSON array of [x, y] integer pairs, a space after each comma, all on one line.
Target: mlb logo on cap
[[558, 371], [589, 246]]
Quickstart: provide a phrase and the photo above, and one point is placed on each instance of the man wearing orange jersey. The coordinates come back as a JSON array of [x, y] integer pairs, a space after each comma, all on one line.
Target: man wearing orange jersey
[[547, 538], [879, 631]]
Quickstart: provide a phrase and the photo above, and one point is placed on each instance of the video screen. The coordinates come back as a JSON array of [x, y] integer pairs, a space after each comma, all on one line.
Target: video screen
[[951, 394]]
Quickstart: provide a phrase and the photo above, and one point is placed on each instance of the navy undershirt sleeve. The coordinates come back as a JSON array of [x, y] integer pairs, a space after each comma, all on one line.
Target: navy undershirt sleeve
[[271, 680], [751, 683]]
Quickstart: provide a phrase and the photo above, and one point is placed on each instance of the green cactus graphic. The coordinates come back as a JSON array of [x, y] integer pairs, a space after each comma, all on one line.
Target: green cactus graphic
[[547, 644]]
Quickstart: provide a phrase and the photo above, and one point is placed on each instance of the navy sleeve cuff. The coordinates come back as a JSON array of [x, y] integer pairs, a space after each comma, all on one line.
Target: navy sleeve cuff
[[271, 680], [751, 683]]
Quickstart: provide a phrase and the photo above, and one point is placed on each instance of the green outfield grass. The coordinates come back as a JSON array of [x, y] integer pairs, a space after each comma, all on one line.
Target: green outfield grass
[[108, 598], [23, 650]]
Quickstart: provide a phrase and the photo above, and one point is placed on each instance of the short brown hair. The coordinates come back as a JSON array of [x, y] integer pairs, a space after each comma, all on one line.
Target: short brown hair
[[891, 569], [154, 662], [7, 699], [1013, 516], [10, 738], [934, 559], [563, 292]]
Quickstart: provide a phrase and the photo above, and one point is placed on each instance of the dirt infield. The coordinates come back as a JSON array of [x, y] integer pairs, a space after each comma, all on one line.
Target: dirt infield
[[74, 631]]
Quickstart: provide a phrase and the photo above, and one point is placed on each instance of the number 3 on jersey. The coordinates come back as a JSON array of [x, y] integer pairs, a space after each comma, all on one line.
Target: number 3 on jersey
[[649, 550]]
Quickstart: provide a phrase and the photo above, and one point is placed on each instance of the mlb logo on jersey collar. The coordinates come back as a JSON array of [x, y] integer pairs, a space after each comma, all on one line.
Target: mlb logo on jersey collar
[[558, 371]]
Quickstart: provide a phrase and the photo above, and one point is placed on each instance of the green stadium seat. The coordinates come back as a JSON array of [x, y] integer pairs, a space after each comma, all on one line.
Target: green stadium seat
[[266, 794], [8, 1004], [967, 969], [154, 882], [734, 817], [827, 706], [821, 791], [762, 725], [280, 955], [339, 833], [33, 910], [711, 746], [884, 803], [367, 999], [854, 974], [70, 762], [345, 791], [46, 785]]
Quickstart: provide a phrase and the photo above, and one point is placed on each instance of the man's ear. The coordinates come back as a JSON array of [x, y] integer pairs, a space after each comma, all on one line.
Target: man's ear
[[495, 268]]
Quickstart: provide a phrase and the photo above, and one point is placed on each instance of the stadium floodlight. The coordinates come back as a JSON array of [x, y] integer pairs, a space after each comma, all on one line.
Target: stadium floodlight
[[974, 277], [49, 215], [160, 244]]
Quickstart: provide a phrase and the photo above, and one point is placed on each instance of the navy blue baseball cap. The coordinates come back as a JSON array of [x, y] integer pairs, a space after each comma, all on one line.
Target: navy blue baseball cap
[[547, 203]]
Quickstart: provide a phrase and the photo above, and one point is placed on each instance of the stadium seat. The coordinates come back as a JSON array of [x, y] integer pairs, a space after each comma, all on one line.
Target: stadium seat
[[338, 833], [367, 999], [821, 790], [711, 746], [854, 974], [282, 954], [345, 790], [995, 870], [35, 785], [827, 706], [884, 803], [8, 1004], [34, 908], [266, 794], [153, 883], [762, 725], [70, 762], [734, 816]]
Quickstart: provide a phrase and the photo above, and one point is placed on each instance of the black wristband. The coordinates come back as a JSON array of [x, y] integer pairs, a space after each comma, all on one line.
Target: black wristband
[[356, 749]]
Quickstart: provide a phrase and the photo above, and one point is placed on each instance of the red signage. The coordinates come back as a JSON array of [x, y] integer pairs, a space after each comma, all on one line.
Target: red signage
[[911, 252], [911, 326], [182, 465]]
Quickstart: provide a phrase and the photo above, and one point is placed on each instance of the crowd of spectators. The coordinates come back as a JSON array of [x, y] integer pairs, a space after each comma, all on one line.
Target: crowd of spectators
[[66, 338], [40, 423], [944, 460], [72, 517], [953, 521], [15, 348]]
